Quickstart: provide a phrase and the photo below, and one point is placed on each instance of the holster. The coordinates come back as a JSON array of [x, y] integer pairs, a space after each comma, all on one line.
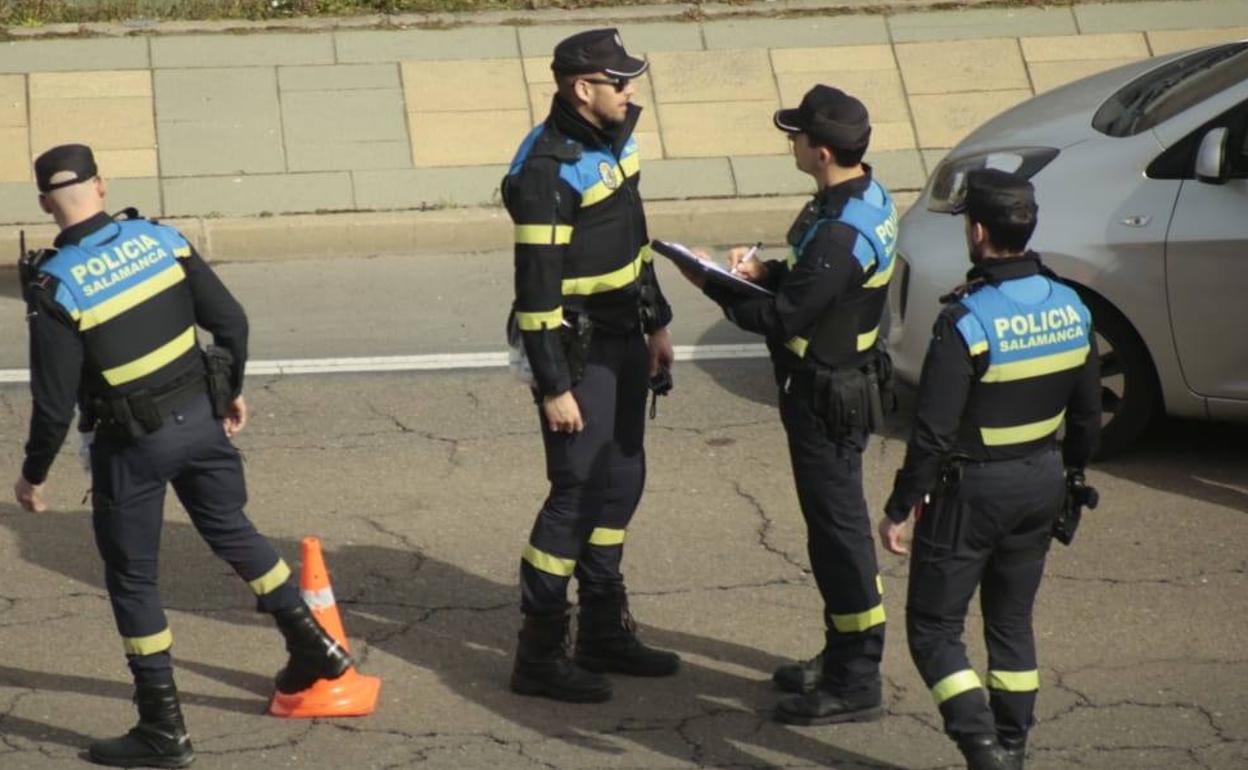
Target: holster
[[218, 364], [577, 332], [847, 400], [936, 533]]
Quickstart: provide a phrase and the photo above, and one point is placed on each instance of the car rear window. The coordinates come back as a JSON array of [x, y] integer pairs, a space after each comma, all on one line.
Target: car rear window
[[1162, 93]]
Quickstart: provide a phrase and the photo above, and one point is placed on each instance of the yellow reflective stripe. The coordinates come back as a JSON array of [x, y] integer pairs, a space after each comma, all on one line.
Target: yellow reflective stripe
[[791, 258], [955, 684], [979, 347], [544, 235], [120, 375], [148, 645], [182, 252], [596, 284], [604, 536], [1014, 681], [798, 345], [271, 580], [859, 621], [879, 584], [1035, 367], [535, 322], [1019, 434], [881, 278], [631, 164], [115, 306], [646, 253], [545, 562], [865, 341]]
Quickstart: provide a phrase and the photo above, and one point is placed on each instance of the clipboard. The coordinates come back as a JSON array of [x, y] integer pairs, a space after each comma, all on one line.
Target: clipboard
[[714, 272]]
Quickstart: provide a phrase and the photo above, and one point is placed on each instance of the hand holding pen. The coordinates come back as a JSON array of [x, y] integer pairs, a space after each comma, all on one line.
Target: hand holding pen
[[744, 263]]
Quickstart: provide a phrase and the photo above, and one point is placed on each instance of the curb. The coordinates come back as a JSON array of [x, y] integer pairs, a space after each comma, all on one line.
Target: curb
[[683, 11], [361, 235]]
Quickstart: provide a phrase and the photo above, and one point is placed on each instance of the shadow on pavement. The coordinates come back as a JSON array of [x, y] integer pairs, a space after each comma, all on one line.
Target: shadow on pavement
[[1206, 461], [457, 625]]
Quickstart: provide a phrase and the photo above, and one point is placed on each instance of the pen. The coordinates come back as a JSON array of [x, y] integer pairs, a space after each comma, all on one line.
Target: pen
[[753, 250], [749, 255]]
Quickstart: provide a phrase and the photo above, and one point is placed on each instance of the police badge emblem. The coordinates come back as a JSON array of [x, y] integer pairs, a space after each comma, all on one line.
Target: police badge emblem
[[607, 173]]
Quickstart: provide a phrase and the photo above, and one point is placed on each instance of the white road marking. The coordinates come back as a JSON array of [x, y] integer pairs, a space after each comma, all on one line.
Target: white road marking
[[434, 361]]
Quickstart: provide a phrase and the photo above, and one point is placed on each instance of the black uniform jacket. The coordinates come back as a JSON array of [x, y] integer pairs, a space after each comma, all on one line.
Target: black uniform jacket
[[581, 245], [826, 272], [945, 385], [62, 371]]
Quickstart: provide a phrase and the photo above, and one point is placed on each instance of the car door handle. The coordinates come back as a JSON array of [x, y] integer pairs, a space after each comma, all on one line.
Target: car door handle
[[1137, 221]]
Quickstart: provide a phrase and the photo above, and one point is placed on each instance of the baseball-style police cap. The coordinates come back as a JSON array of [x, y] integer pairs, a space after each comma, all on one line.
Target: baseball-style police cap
[[830, 116], [993, 195], [75, 159], [597, 50]]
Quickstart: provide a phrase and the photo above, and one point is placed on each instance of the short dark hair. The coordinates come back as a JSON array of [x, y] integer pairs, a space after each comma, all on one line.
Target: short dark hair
[[845, 158], [1011, 232]]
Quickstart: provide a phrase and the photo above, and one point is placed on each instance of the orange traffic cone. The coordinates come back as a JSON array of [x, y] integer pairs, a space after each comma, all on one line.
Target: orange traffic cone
[[350, 695]]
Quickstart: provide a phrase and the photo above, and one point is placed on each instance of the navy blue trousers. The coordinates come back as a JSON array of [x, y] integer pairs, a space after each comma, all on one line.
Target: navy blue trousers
[[129, 478], [596, 479]]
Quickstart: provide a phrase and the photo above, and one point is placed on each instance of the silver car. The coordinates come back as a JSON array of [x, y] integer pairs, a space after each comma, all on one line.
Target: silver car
[[1141, 175]]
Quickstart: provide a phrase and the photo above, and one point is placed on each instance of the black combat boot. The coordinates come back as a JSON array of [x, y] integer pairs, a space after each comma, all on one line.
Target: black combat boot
[[1015, 749], [158, 740], [983, 752], [543, 667], [826, 705], [314, 654], [800, 677], [606, 640]]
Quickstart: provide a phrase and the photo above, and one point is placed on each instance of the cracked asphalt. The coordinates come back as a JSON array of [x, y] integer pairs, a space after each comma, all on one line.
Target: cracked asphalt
[[423, 488]]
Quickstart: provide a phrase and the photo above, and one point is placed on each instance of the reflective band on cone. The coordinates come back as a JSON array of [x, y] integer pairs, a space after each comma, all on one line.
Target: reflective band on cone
[[350, 695]]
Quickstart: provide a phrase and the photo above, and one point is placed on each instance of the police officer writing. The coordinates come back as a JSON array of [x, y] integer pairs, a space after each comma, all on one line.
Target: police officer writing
[[112, 313], [821, 328], [592, 322], [1011, 355]]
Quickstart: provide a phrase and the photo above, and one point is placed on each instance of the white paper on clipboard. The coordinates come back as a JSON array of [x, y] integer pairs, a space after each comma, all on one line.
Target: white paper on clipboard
[[682, 256]]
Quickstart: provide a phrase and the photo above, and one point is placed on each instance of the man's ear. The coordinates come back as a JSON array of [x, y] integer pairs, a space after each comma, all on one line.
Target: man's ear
[[101, 187]]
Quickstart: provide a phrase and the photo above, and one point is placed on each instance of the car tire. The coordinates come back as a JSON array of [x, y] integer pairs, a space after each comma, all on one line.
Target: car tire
[[1130, 392]]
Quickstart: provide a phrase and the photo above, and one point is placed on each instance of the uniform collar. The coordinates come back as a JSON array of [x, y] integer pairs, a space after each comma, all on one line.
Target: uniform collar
[[74, 233], [831, 200], [569, 122], [1002, 269]]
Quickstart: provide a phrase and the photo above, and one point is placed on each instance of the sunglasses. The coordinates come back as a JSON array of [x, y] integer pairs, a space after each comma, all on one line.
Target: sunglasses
[[619, 83]]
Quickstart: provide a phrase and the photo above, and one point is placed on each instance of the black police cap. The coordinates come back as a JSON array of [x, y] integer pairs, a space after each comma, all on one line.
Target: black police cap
[[74, 158], [829, 116], [993, 195], [596, 50]]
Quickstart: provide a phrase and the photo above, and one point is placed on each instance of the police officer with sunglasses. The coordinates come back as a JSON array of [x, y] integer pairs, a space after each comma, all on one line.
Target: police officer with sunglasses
[[591, 320]]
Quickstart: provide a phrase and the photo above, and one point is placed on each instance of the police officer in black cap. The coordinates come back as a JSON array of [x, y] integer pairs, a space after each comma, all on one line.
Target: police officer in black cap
[[822, 328], [591, 320], [1012, 354], [112, 313]]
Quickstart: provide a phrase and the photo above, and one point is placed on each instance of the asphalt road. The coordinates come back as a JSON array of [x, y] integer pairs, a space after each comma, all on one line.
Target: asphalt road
[[423, 487]]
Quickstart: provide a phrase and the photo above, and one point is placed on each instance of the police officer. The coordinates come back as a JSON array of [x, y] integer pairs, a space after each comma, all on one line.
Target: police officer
[[112, 314], [1011, 355], [821, 328], [592, 322]]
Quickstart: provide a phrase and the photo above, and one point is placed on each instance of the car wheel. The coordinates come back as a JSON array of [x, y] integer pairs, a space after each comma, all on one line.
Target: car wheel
[[1130, 393]]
